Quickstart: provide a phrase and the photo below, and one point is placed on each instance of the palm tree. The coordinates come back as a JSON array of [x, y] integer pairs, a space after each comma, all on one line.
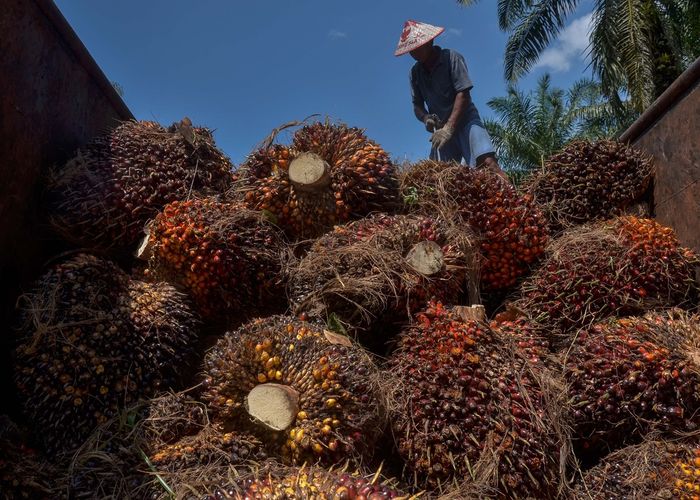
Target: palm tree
[[530, 127], [628, 42]]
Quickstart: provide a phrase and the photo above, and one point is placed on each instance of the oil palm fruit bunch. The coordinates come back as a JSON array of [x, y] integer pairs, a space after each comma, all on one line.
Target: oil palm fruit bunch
[[629, 376], [511, 228], [308, 394], [103, 196], [375, 271], [226, 257], [287, 483], [209, 446], [469, 407], [654, 469], [23, 472], [622, 266], [590, 180], [527, 335], [91, 341], [330, 174]]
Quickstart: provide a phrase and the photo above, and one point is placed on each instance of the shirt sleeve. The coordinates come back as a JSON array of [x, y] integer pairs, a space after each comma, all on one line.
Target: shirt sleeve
[[458, 70], [416, 95]]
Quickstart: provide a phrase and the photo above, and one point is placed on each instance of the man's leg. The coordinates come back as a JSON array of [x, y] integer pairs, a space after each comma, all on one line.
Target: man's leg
[[449, 152], [483, 152]]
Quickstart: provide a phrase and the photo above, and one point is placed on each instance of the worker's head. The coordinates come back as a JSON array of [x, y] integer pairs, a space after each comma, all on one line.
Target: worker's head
[[417, 38], [422, 53]]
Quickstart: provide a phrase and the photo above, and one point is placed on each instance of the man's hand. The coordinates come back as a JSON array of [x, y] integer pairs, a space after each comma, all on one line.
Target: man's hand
[[442, 136], [431, 122]]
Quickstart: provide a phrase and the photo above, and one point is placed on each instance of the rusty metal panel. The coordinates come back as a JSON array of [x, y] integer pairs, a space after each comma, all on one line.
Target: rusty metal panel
[[53, 99], [674, 141]]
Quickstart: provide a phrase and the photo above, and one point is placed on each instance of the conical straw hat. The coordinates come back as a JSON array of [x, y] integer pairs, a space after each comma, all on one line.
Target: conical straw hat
[[414, 35]]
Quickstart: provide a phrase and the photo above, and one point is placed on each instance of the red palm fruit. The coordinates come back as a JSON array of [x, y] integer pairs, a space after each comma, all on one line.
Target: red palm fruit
[[307, 395], [622, 266], [470, 408], [226, 257], [527, 336], [306, 482], [589, 181], [330, 174], [632, 375], [379, 270], [104, 196], [654, 469], [91, 341], [512, 229]]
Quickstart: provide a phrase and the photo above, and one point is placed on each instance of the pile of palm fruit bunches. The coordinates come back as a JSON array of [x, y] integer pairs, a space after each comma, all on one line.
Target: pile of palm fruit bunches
[[322, 323]]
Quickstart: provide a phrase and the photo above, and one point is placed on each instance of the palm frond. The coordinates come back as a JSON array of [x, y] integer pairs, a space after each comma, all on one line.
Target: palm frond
[[540, 24], [509, 11], [620, 49]]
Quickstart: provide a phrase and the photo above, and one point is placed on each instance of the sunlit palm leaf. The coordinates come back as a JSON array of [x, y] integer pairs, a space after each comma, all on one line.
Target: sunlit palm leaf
[[537, 29]]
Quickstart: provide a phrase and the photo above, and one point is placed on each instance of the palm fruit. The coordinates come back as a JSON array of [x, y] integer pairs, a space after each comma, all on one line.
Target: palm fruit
[[209, 446], [588, 181], [288, 483], [226, 257], [379, 270], [91, 341], [103, 197], [469, 407], [527, 335], [23, 473], [307, 394], [632, 375], [512, 229], [654, 469], [617, 267], [329, 175]]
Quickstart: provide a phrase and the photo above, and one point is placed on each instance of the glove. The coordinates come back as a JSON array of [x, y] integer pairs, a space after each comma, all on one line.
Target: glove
[[442, 136], [431, 122]]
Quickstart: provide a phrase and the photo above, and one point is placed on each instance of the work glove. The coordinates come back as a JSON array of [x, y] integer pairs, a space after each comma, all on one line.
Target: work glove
[[442, 137], [431, 122]]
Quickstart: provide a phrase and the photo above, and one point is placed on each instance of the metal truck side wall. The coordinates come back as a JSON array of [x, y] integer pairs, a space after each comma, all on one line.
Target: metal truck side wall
[[674, 141], [53, 98], [670, 131]]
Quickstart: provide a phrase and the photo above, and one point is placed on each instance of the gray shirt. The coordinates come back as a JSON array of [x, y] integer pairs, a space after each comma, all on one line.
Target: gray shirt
[[438, 88]]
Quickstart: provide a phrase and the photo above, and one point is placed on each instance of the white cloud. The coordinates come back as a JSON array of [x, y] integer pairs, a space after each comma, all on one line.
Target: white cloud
[[453, 32], [572, 44], [336, 35]]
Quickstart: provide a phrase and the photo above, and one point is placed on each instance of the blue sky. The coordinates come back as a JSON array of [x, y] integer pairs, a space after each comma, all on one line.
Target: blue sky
[[243, 68]]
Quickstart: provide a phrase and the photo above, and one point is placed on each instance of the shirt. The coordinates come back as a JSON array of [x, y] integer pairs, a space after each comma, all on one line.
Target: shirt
[[438, 88]]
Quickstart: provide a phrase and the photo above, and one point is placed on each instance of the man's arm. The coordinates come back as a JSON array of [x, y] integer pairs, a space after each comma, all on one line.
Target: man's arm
[[462, 100], [420, 111]]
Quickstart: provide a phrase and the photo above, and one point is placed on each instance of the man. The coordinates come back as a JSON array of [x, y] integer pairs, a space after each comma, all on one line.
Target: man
[[440, 79]]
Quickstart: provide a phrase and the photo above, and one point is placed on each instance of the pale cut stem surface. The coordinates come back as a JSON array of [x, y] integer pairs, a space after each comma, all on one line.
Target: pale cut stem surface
[[273, 405]]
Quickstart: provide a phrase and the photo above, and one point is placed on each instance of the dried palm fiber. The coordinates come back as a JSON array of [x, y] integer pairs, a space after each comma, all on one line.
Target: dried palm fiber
[[136, 454], [309, 394], [105, 194], [629, 376], [470, 411], [511, 227], [382, 269], [330, 174], [653, 469], [226, 257], [23, 472], [620, 267], [276, 482], [91, 341], [589, 181]]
